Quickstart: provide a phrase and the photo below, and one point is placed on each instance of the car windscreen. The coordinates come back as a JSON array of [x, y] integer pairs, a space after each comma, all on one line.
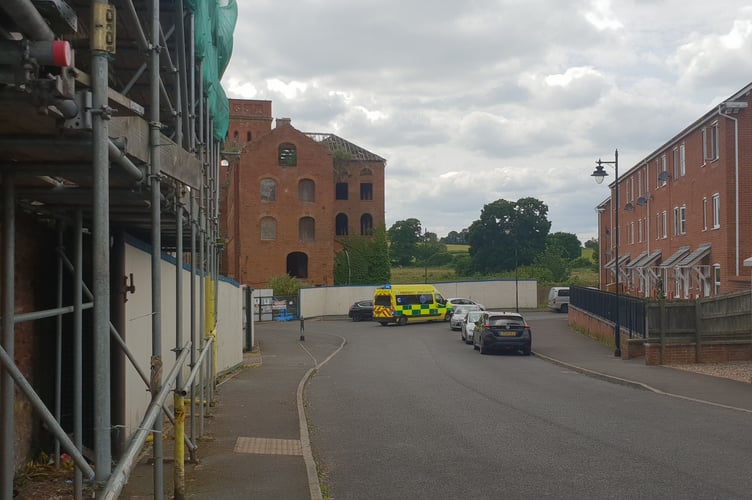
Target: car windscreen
[[474, 316], [505, 322]]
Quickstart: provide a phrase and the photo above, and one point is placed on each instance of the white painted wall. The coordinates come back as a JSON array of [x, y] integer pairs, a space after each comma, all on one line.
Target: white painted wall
[[335, 301], [138, 329]]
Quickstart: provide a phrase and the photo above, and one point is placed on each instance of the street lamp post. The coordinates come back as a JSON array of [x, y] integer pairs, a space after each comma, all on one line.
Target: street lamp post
[[599, 174], [516, 275]]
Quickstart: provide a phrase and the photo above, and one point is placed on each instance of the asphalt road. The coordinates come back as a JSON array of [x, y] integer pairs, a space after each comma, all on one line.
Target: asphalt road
[[411, 412]]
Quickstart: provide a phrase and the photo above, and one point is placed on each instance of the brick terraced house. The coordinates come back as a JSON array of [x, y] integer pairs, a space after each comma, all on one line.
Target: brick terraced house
[[288, 195], [685, 214]]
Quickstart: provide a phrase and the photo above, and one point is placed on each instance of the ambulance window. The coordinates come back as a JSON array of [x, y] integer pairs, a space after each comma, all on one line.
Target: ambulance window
[[440, 299], [341, 191]]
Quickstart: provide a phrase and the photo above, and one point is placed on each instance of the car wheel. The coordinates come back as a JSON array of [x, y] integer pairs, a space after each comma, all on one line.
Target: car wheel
[[356, 318], [475, 346], [482, 349], [383, 323], [564, 308], [402, 321], [526, 351]]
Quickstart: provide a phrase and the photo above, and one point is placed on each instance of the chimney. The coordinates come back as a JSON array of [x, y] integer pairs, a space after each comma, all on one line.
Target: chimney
[[282, 122]]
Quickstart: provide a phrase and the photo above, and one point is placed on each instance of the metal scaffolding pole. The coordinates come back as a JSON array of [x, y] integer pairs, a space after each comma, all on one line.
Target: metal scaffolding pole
[[179, 403], [101, 261], [156, 241], [78, 349], [7, 388], [59, 338], [193, 322]]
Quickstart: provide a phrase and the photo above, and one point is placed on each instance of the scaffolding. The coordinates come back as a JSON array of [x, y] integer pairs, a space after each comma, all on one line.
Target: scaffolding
[[112, 125]]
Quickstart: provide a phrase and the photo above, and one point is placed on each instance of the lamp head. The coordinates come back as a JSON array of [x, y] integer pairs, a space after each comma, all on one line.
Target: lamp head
[[599, 173]]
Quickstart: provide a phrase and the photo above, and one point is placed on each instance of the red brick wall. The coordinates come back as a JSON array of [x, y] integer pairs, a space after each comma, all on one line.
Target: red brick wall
[[252, 261], [35, 280], [703, 179], [259, 260], [682, 354], [354, 207]]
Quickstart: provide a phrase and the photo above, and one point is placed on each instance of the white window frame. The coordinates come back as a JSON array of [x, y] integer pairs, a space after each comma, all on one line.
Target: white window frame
[[676, 221], [683, 219], [631, 233], [710, 142], [716, 211], [664, 224], [705, 213], [675, 158], [682, 160], [716, 279], [640, 232]]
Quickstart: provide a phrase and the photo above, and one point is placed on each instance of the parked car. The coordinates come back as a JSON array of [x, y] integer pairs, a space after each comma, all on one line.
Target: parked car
[[361, 310], [458, 315], [507, 331], [468, 323], [558, 298], [461, 301]]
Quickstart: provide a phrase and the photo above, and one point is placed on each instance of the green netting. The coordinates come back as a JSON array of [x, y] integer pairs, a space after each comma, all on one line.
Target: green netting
[[214, 24]]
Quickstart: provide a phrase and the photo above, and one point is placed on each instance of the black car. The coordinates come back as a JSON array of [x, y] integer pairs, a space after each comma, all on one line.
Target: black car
[[497, 331], [361, 310]]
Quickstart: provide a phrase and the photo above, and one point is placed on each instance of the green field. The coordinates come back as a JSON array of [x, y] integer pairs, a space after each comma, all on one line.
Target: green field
[[586, 276]]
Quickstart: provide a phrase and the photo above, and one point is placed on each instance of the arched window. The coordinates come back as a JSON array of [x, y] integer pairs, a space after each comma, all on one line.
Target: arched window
[[307, 190], [288, 155], [341, 223], [366, 225], [268, 190], [366, 171], [235, 135], [306, 229], [268, 228], [248, 136], [297, 265]]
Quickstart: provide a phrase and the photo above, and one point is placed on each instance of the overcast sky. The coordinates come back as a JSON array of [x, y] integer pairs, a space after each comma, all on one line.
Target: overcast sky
[[477, 100]]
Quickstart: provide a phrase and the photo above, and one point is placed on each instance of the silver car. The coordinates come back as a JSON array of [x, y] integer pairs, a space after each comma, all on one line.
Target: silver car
[[458, 316], [466, 335]]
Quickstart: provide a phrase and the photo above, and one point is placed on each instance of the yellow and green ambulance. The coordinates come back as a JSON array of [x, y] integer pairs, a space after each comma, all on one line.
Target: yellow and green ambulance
[[402, 304]]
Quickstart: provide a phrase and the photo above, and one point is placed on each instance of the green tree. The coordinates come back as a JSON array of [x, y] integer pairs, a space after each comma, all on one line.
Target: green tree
[[565, 244], [404, 236], [285, 285], [363, 260], [507, 228]]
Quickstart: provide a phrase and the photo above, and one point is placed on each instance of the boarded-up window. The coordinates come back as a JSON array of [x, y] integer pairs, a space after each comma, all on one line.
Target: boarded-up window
[[307, 190], [307, 229], [268, 190], [268, 228]]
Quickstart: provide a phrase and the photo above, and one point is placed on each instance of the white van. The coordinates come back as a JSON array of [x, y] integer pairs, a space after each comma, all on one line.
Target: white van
[[558, 298]]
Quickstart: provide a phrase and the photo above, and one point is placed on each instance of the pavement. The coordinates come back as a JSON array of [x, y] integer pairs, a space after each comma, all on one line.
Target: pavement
[[255, 443]]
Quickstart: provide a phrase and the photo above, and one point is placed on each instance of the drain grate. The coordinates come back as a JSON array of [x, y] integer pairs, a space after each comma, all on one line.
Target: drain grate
[[266, 446]]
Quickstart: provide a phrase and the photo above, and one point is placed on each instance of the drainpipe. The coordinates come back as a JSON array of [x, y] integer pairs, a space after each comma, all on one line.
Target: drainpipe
[[721, 108]]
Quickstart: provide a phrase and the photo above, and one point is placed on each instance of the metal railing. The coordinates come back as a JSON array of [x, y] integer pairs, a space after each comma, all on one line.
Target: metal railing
[[632, 310]]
